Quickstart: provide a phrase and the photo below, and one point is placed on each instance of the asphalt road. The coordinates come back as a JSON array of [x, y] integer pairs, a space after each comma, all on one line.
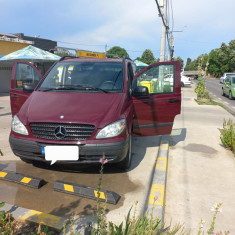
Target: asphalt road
[[215, 88]]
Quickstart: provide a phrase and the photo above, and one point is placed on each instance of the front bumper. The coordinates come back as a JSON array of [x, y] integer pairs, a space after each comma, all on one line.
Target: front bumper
[[88, 153]]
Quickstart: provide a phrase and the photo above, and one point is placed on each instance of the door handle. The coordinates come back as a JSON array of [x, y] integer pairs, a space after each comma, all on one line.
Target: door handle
[[14, 96], [174, 101]]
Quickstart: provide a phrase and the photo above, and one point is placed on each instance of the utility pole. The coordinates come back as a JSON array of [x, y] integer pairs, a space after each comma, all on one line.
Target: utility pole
[[163, 34]]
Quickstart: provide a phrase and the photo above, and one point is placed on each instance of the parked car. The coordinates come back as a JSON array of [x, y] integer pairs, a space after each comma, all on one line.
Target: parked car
[[169, 78], [228, 87], [221, 80], [185, 80], [94, 106]]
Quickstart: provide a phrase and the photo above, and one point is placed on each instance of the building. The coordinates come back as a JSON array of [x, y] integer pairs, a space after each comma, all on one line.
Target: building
[[13, 42]]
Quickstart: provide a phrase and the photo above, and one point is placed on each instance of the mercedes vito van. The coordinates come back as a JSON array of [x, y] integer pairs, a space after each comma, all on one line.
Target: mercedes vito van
[[92, 107]]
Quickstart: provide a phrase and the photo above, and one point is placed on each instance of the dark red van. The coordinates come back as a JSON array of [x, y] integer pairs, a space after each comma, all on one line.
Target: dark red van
[[92, 105]]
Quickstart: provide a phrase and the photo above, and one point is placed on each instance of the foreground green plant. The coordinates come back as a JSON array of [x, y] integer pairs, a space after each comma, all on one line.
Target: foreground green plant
[[227, 135], [216, 209]]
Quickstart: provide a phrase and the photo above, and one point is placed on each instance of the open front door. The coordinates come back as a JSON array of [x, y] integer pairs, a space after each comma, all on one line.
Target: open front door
[[23, 72], [154, 114]]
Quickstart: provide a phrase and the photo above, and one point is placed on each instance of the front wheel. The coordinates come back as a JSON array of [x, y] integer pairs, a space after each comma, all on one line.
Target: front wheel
[[126, 162], [182, 84], [222, 93], [230, 95]]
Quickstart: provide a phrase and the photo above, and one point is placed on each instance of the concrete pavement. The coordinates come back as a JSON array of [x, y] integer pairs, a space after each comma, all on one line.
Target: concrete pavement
[[201, 172]]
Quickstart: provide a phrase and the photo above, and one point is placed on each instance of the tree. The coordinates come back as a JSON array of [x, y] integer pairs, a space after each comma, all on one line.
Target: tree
[[148, 57], [214, 67], [138, 58], [120, 52], [189, 61], [181, 61]]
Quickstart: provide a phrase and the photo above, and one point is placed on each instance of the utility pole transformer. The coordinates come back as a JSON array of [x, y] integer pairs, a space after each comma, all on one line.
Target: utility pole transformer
[[164, 31]]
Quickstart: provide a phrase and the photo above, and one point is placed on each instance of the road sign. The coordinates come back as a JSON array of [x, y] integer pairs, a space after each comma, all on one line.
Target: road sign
[[90, 54]]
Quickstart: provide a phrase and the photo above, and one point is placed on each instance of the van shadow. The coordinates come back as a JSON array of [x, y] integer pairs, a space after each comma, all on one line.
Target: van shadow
[[177, 135], [139, 148]]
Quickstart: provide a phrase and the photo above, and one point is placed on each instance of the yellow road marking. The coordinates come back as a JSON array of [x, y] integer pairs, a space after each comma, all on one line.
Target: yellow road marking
[[68, 187], [157, 194], [26, 180], [3, 174], [49, 220], [161, 163], [102, 195]]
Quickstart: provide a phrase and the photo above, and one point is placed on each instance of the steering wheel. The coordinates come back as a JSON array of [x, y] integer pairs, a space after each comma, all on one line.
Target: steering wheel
[[108, 85]]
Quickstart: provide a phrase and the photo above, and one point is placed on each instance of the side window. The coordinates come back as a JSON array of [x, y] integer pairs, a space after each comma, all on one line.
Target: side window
[[25, 74], [158, 79], [134, 68]]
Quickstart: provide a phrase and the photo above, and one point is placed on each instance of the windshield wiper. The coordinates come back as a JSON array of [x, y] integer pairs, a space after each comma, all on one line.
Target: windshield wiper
[[71, 87], [57, 88]]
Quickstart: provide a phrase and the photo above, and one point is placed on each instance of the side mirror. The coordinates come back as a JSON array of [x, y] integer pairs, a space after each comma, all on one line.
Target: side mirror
[[140, 91], [29, 88]]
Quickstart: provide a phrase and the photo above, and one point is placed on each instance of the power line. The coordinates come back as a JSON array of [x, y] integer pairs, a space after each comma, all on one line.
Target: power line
[[160, 14], [172, 16], [81, 44]]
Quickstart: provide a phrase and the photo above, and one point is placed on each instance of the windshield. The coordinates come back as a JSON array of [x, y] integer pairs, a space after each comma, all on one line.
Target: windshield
[[101, 77]]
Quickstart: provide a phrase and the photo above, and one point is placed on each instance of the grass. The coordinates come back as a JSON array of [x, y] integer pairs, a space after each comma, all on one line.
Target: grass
[[209, 101]]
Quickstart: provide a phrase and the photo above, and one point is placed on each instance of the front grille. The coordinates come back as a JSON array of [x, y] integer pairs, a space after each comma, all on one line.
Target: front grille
[[72, 131]]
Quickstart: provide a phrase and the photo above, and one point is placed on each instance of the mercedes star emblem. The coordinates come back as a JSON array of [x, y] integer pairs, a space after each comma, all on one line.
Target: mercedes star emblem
[[60, 132]]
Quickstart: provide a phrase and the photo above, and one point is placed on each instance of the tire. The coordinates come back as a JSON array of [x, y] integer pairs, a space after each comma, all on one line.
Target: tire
[[222, 93], [126, 162], [182, 84], [230, 95]]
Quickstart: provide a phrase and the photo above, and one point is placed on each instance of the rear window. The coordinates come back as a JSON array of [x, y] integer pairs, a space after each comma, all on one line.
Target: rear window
[[233, 79], [85, 77]]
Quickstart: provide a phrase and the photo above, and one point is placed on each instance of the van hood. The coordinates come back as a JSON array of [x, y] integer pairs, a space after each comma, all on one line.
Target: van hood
[[98, 109]]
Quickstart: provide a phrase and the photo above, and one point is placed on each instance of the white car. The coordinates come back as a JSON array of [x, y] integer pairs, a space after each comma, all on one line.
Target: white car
[[169, 78], [221, 80], [185, 80]]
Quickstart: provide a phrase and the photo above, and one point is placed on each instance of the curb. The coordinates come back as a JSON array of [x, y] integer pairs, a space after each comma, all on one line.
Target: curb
[[156, 199], [34, 216]]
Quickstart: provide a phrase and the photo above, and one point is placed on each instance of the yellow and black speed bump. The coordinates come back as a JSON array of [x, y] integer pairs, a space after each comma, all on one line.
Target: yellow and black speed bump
[[22, 179], [85, 191]]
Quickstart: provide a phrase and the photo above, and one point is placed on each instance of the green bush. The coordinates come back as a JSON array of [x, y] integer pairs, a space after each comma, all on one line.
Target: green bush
[[227, 135]]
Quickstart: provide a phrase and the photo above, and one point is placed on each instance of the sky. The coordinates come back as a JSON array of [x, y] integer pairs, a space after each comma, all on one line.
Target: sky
[[131, 24]]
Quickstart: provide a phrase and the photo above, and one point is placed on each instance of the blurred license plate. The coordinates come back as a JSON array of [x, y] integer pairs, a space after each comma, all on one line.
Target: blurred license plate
[[60, 153]]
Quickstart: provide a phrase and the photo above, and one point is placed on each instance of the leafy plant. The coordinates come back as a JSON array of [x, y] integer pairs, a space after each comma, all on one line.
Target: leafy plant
[[200, 90], [227, 135]]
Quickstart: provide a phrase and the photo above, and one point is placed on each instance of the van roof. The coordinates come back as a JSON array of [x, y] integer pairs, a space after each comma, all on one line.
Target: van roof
[[85, 59]]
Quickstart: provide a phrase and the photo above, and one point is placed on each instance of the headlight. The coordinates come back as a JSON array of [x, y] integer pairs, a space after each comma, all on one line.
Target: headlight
[[112, 130], [18, 127]]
